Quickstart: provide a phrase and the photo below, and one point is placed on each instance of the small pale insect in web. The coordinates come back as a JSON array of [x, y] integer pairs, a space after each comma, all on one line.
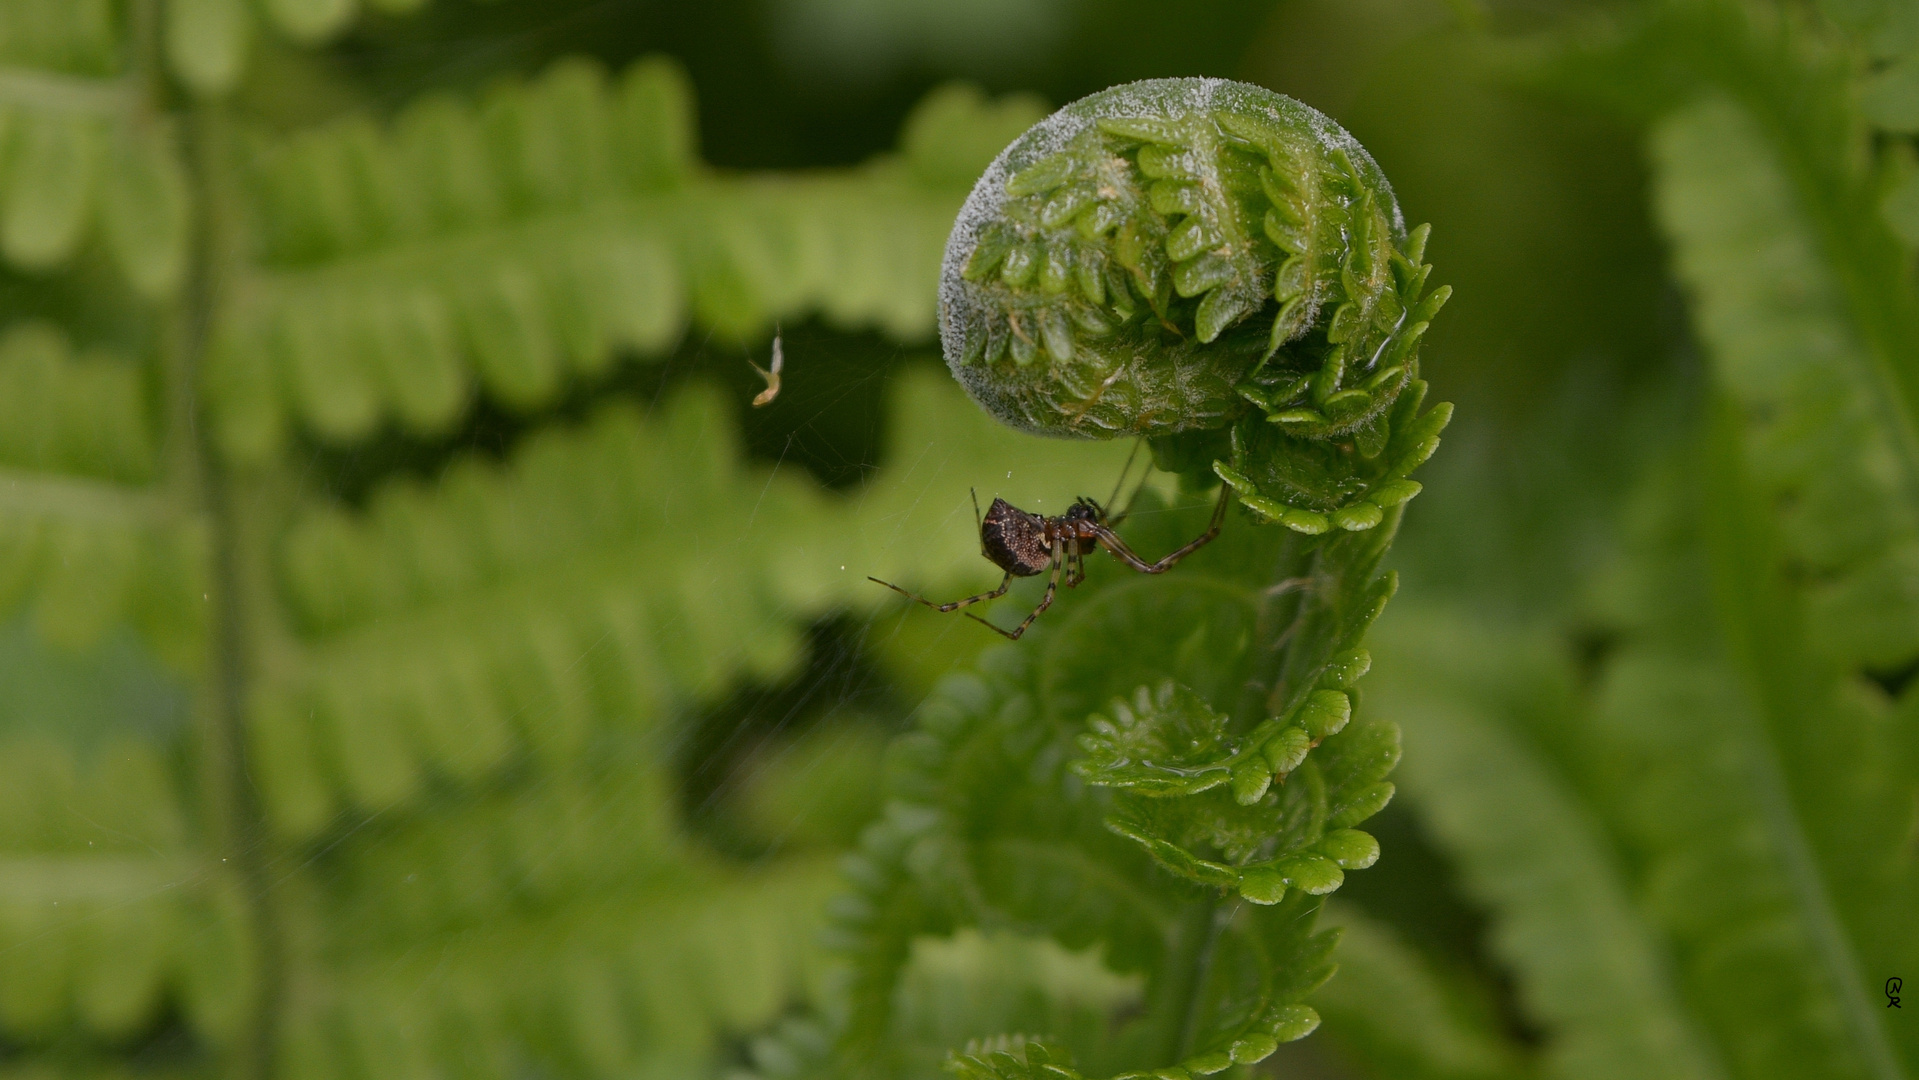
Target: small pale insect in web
[[766, 396], [1025, 544]]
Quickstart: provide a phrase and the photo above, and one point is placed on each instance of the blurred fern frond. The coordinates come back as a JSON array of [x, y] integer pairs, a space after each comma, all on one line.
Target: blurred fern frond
[[552, 647], [547, 631], [603, 581], [281, 878], [88, 538], [1589, 961], [208, 44], [83, 165], [1801, 471], [395, 786], [1434, 1028], [1725, 779], [520, 244]]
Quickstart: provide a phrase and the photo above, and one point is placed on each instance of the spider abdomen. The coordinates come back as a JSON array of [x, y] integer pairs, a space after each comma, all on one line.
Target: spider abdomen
[[1015, 540]]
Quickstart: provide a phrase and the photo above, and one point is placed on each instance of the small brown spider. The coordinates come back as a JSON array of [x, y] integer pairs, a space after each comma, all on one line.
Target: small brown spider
[[1025, 545]]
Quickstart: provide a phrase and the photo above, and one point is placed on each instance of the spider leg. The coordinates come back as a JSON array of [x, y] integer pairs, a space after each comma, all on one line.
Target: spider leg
[[1127, 511], [978, 527], [1052, 586], [1004, 584], [1075, 569], [1120, 483], [1110, 540]]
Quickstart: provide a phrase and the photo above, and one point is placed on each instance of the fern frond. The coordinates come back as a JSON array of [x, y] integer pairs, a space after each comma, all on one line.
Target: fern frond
[[974, 985], [85, 158], [520, 244], [1794, 702], [208, 43], [643, 972], [611, 573], [457, 628], [968, 843], [1784, 351], [1396, 1012], [113, 915], [70, 414], [468, 660], [107, 913], [1011, 1057], [993, 823], [87, 540], [1591, 964], [1798, 81], [1735, 803], [76, 37], [95, 945], [1168, 748], [89, 556]]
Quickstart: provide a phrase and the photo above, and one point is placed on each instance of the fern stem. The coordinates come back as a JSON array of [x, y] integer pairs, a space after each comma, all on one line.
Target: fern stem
[[244, 834], [1298, 578], [1220, 915], [1285, 606], [1188, 965], [195, 485]]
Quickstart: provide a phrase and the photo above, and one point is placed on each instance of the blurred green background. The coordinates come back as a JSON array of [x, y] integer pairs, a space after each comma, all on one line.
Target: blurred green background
[[418, 659]]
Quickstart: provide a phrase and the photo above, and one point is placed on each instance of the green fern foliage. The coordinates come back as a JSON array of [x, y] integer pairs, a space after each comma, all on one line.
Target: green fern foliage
[[1204, 203], [80, 38], [490, 655], [77, 414], [87, 541], [1435, 1027], [324, 774], [208, 43], [1167, 748], [1727, 788], [105, 918], [1812, 443], [601, 629], [517, 244], [371, 684], [1211, 767], [1815, 439], [77, 170], [547, 953], [988, 850], [454, 630], [81, 161], [1516, 822]]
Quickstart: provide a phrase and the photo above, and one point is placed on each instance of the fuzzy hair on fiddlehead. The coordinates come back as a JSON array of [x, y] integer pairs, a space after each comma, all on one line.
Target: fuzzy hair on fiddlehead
[[1214, 266]]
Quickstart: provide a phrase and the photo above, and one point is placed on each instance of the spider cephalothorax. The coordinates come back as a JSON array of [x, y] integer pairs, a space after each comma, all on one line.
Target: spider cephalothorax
[[1026, 545]]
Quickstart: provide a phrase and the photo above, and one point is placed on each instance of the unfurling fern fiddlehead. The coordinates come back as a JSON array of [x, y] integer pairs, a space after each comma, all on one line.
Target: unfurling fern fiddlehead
[[1172, 771], [1214, 266]]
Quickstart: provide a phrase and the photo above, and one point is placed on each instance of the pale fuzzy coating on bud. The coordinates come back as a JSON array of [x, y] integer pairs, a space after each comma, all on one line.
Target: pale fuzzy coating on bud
[[1168, 255]]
